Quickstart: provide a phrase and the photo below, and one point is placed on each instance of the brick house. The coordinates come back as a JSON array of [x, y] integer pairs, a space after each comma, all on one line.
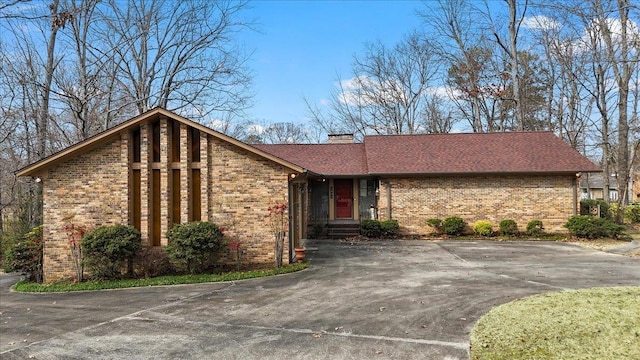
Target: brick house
[[159, 169]]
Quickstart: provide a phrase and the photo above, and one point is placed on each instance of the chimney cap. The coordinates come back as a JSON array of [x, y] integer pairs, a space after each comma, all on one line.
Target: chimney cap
[[345, 138]]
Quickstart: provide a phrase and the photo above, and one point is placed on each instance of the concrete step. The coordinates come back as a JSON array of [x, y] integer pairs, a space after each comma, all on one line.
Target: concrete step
[[341, 231]]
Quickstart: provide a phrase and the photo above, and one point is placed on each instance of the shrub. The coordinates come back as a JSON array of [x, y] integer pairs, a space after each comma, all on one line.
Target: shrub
[[453, 225], [508, 227], [389, 228], [26, 255], [106, 248], [535, 228], [195, 247], [586, 204], [483, 228], [632, 213], [436, 225], [591, 227], [370, 228]]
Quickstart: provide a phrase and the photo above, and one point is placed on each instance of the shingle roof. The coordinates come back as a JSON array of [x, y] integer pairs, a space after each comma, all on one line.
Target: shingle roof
[[432, 154], [506, 152], [326, 159]]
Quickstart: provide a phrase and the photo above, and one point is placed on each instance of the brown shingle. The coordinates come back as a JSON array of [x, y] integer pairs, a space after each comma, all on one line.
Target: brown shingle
[[325, 159], [510, 152], [485, 153]]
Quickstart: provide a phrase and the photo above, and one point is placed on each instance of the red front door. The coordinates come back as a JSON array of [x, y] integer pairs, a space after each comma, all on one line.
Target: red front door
[[344, 198]]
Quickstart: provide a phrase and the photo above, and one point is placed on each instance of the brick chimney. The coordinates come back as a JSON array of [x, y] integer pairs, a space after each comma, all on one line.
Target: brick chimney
[[340, 138]]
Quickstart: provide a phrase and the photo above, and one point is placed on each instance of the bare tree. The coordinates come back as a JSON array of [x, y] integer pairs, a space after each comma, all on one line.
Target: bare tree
[[388, 92], [510, 48], [178, 55]]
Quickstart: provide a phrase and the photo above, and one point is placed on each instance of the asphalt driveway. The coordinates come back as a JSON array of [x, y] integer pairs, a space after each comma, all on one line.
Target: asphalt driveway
[[386, 300]]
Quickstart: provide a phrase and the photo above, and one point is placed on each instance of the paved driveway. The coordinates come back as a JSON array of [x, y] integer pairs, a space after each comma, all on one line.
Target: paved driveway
[[394, 300]]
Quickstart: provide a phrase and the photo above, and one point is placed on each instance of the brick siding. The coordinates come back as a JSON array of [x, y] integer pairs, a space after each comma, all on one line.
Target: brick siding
[[89, 190], [93, 189], [494, 198]]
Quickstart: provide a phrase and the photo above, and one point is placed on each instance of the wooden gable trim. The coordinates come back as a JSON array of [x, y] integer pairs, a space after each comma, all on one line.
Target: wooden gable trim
[[40, 166]]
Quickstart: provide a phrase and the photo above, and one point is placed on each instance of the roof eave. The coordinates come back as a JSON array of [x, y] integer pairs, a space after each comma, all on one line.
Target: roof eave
[[40, 165], [478, 173]]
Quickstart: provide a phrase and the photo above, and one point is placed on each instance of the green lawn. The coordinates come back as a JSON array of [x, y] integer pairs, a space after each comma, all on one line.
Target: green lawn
[[598, 323], [25, 286]]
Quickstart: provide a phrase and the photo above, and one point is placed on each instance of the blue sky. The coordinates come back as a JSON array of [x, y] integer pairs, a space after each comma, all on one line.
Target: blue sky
[[302, 46]]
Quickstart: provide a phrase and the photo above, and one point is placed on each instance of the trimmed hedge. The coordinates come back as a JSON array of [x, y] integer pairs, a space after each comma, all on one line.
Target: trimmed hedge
[[195, 247], [387, 229], [483, 228], [370, 228], [591, 227], [535, 228], [508, 227], [453, 225], [106, 249]]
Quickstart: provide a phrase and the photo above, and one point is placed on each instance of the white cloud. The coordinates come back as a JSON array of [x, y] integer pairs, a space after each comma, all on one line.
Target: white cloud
[[595, 33], [255, 129], [445, 92], [540, 22], [363, 90]]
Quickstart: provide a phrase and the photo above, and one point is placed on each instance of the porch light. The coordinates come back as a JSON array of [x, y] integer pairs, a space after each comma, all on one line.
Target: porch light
[[293, 176], [38, 179]]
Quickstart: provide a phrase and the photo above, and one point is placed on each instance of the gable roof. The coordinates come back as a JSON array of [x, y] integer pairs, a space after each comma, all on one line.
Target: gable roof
[[425, 154], [439, 154], [483, 153], [326, 159], [151, 115]]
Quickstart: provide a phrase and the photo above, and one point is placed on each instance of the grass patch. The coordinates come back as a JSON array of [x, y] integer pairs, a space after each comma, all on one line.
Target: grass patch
[[598, 323], [25, 286]]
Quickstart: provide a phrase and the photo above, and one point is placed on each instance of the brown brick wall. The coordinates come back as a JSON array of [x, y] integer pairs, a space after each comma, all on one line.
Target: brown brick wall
[[521, 198], [89, 190], [243, 187], [93, 189]]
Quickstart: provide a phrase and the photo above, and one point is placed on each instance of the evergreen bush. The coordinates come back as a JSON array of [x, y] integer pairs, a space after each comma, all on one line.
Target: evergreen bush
[[508, 227], [483, 228], [389, 228], [370, 228], [106, 249], [453, 225], [591, 227], [26, 255], [195, 247], [535, 228]]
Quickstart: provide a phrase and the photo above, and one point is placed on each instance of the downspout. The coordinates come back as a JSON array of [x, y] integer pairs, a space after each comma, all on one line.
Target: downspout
[[291, 217], [575, 193], [388, 185]]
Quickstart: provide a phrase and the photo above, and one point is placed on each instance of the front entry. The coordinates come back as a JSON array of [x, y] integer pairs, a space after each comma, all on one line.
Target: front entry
[[344, 198]]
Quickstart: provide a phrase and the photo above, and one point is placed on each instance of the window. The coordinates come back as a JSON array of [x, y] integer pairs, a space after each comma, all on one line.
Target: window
[[195, 145], [155, 208], [136, 200], [155, 141], [175, 141], [175, 197], [195, 195], [136, 145]]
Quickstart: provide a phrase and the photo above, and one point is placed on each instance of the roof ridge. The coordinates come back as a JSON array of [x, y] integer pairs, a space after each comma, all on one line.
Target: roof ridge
[[462, 133]]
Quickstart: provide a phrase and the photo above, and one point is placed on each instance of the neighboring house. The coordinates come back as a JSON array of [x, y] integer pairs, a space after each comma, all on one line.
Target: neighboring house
[[158, 169], [592, 187]]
